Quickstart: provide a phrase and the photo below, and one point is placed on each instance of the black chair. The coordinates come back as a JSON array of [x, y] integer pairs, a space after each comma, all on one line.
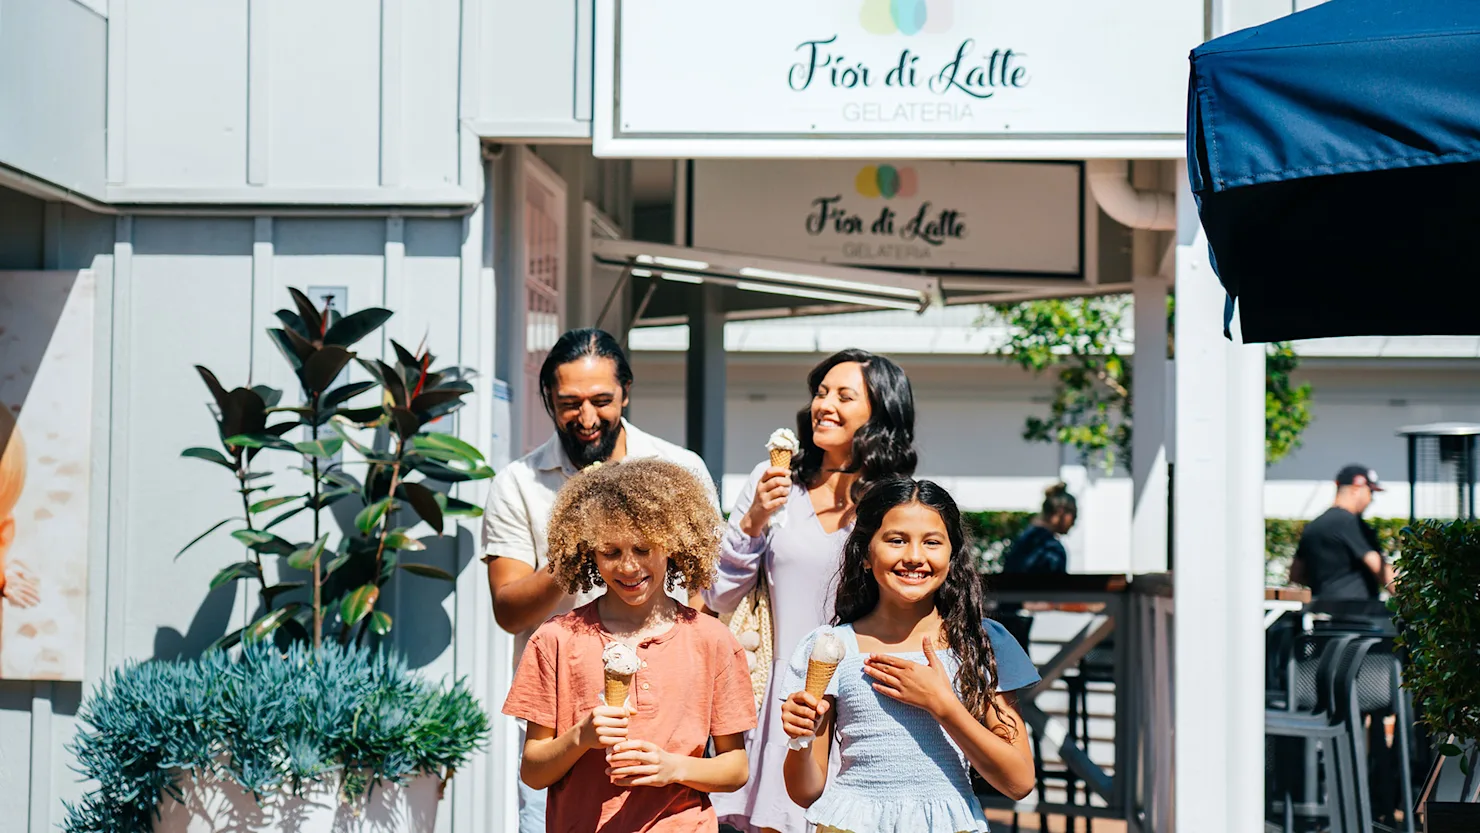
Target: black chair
[[1334, 723]]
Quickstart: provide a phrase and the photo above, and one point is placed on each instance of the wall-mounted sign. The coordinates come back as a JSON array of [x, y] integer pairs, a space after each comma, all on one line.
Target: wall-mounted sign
[[994, 218], [927, 72]]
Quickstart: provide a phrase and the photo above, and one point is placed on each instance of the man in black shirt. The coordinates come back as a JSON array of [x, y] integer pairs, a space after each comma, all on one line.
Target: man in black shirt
[[1337, 557]]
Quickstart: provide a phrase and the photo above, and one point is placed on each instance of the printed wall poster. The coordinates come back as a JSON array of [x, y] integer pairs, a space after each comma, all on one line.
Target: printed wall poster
[[46, 386]]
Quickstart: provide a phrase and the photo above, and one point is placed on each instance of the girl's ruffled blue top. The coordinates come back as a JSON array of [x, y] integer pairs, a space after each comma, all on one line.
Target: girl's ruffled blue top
[[900, 772]]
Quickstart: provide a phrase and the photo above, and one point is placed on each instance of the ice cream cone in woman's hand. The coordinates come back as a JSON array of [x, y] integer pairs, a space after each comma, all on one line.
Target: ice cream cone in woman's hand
[[782, 446]]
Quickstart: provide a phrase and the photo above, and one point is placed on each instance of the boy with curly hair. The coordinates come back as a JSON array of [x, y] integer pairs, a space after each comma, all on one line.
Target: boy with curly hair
[[636, 528]]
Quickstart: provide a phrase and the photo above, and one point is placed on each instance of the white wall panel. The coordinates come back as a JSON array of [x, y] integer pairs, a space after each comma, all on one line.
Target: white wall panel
[[324, 93], [274, 101], [189, 303], [185, 82], [536, 77], [429, 92], [53, 65]]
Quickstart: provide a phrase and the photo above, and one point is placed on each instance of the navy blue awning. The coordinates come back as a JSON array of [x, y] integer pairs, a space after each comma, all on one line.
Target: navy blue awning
[[1335, 157]]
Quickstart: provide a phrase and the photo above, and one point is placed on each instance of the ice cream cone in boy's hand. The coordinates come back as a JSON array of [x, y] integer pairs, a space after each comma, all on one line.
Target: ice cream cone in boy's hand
[[782, 445], [827, 652], [621, 663]]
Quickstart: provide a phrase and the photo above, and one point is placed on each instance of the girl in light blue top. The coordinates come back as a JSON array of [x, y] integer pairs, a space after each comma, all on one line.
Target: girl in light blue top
[[919, 694]]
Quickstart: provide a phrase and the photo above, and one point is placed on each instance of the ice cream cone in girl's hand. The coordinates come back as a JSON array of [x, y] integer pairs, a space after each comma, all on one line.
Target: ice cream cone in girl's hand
[[621, 664], [827, 652]]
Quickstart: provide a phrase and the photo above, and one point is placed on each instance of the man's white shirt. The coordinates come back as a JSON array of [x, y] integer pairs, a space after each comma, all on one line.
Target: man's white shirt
[[516, 522]]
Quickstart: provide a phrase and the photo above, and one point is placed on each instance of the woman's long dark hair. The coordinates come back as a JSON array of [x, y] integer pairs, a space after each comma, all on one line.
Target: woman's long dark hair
[[885, 445], [959, 600]]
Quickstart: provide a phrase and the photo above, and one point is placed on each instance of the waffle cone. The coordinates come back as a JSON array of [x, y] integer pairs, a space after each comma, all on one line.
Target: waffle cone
[[819, 674], [616, 688], [780, 458]]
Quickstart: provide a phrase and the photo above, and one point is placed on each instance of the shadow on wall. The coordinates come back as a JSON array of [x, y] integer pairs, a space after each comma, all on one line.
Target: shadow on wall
[[418, 606]]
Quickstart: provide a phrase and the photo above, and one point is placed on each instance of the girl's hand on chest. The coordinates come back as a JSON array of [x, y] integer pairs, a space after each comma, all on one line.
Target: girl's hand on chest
[[926, 686]]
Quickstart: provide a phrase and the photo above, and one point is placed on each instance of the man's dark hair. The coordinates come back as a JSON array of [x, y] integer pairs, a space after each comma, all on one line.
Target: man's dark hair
[[575, 345]]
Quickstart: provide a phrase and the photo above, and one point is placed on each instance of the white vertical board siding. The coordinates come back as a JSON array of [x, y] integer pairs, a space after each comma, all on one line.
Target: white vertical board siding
[[189, 303], [429, 69], [274, 101], [324, 94], [531, 53], [53, 75], [185, 78]]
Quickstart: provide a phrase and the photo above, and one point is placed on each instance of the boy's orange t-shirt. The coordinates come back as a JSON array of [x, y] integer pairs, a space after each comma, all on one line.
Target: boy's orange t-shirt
[[693, 683]]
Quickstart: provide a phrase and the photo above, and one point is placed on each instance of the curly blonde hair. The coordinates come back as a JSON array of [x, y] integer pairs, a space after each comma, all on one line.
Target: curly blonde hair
[[661, 502]]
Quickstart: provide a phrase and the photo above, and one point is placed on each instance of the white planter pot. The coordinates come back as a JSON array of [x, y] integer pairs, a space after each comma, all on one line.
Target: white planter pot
[[214, 806]]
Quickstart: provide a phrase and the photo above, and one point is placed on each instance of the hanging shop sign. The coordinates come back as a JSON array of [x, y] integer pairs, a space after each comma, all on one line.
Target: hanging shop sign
[[762, 77], [1023, 219]]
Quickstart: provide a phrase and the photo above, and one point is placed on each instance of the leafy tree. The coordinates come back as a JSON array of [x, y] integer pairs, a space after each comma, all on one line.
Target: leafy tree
[[1084, 342]]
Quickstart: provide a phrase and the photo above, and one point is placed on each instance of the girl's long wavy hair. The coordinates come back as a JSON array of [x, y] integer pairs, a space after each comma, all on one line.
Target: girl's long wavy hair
[[959, 600], [885, 445]]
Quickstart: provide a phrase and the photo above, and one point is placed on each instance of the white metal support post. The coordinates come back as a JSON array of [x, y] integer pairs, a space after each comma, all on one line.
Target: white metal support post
[[1219, 553], [1149, 442]]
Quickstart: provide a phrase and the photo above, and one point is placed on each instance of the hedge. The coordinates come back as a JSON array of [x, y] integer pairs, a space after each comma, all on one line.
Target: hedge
[[990, 533]]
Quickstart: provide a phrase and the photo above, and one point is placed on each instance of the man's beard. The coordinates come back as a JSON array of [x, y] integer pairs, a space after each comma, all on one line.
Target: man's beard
[[598, 451]]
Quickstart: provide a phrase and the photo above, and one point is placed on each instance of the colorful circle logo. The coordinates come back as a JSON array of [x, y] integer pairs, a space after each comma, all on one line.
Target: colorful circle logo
[[886, 181], [907, 17]]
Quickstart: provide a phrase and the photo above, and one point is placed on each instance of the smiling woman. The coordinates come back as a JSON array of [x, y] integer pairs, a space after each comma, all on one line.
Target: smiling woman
[[858, 428]]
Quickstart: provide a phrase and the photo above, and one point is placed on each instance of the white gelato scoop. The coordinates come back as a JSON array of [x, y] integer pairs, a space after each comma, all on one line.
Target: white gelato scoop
[[782, 439], [828, 648], [619, 659]]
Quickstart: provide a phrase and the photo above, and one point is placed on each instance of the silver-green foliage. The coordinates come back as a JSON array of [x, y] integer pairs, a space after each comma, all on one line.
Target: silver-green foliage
[[267, 721]]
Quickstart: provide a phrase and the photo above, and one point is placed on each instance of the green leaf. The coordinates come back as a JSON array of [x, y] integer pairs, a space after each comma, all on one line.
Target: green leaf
[[339, 478], [362, 416], [324, 449], [1450, 750], [263, 542], [344, 431], [239, 570], [263, 628], [288, 343], [405, 423], [210, 455], [313, 322], [428, 571], [388, 376], [380, 623], [278, 589], [270, 396], [424, 502], [448, 474], [447, 442], [333, 496], [344, 392], [283, 517], [453, 507], [320, 370], [259, 440], [371, 515], [431, 399], [399, 540], [271, 503], [218, 392], [358, 604], [356, 326], [338, 561], [226, 642], [304, 559], [1464, 764], [197, 539]]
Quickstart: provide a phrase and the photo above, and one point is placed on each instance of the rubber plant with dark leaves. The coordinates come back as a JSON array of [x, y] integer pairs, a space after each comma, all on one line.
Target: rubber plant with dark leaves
[[345, 579]]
